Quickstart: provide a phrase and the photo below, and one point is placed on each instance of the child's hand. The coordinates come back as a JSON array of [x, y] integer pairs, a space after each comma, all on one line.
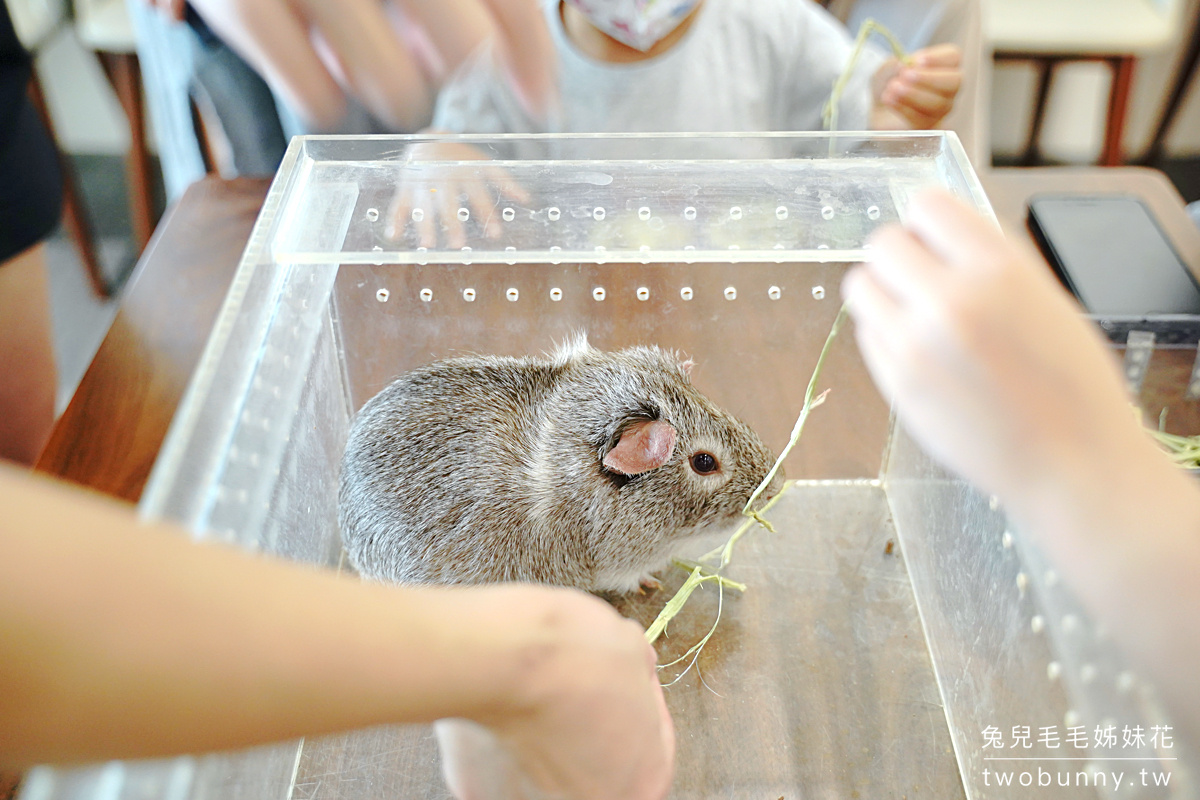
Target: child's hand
[[588, 720], [990, 362], [993, 368], [436, 189], [920, 93]]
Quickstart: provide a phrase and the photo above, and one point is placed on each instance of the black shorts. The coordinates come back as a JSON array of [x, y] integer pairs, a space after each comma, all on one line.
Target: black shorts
[[30, 179]]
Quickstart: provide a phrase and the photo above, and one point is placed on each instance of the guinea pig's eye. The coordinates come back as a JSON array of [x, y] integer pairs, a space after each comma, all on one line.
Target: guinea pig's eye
[[704, 463]]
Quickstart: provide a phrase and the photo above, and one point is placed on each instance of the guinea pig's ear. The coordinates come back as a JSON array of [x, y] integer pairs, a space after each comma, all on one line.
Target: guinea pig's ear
[[644, 445]]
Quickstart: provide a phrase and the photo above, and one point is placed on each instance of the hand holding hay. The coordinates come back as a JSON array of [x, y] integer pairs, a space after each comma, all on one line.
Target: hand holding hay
[[910, 91]]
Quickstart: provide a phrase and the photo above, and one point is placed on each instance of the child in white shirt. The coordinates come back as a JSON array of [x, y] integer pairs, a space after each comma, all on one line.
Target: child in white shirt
[[704, 65], [644, 66]]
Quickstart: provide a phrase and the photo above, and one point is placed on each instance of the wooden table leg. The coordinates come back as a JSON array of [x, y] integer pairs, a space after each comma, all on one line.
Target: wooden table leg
[[1045, 69], [1118, 102], [75, 213], [125, 75]]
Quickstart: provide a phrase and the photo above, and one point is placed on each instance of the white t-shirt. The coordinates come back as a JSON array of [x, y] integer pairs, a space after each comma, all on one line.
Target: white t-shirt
[[743, 65]]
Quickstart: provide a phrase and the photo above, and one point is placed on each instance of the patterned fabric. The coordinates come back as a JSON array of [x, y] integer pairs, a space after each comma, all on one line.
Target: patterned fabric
[[641, 24]]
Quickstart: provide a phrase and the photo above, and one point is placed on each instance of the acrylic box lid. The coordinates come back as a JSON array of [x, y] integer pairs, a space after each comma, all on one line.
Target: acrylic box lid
[[603, 199]]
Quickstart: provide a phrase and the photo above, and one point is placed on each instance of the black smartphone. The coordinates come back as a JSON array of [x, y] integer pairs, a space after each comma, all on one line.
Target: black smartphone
[[1110, 252]]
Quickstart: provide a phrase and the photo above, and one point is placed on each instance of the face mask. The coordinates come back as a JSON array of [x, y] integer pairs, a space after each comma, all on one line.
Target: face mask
[[640, 24]]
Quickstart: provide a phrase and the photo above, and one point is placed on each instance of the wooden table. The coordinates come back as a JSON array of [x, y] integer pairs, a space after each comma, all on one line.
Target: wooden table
[[111, 431], [1010, 190]]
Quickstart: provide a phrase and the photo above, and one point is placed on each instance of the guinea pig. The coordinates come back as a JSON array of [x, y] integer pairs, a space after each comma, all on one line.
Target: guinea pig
[[584, 468]]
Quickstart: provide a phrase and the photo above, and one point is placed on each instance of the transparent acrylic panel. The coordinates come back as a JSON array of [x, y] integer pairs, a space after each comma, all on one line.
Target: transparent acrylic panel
[[1015, 653], [330, 205], [754, 331], [463, 199], [253, 774], [823, 679], [820, 664], [817, 683]]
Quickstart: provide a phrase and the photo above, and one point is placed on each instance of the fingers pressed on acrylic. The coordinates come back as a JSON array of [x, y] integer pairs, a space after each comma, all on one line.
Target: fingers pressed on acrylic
[[446, 203], [415, 212], [506, 185], [399, 214], [482, 206], [427, 227]]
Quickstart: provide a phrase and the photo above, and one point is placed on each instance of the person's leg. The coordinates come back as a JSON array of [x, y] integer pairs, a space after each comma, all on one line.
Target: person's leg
[[243, 106], [29, 378]]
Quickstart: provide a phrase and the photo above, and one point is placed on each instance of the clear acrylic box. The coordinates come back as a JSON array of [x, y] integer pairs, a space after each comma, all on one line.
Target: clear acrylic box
[[892, 618]]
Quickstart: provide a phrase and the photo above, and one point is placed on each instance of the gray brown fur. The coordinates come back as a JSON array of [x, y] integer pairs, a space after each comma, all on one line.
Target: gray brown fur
[[489, 468]]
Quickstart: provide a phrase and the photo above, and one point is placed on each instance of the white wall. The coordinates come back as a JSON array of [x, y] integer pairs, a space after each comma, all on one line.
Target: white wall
[[90, 119], [1078, 104], [87, 116]]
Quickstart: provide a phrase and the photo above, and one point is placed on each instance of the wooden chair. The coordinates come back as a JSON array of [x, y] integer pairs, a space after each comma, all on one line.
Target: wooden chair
[[1183, 78], [1050, 32], [36, 23], [104, 27]]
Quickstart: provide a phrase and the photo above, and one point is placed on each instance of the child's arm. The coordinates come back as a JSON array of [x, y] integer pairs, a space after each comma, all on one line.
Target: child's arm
[[994, 370], [121, 639], [390, 55], [919, 93]]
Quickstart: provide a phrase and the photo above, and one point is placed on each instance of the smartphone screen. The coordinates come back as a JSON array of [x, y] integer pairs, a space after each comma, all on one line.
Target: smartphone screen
[[1111, 253]]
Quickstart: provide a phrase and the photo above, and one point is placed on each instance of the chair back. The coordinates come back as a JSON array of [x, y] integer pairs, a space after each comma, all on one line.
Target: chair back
[[105, 26], [1172, 10], [35, 20]]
